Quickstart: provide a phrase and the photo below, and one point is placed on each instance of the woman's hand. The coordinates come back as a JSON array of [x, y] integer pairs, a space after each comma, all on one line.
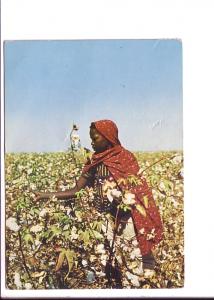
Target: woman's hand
[[41, 196], [63, 195]]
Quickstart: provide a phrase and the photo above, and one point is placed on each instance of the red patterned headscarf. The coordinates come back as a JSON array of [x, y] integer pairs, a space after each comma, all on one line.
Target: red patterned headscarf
[[119, 161], [109, 130], [122, 163]]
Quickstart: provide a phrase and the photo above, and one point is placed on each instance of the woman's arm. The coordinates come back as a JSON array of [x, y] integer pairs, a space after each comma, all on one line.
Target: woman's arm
[[81, 183]]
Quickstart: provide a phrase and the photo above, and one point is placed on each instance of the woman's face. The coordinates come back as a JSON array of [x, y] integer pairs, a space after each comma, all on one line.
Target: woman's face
[[98, 141]]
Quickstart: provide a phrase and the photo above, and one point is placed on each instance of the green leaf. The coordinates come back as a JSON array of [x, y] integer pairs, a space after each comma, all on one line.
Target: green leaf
[[28, 238], [97, 225], [66, 234], [60, 260], [154, 179], [34, 211], [124, 207], [81, 193], [54, 231], [45, 234], [78, 214], [65, 219], [141, 209], [97, 235], [168, 184], [134, 180], [70, 254], [84, 236], [146, 201]]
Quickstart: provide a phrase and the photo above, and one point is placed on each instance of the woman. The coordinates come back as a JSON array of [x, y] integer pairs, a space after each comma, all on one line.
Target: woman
[[114, 173]]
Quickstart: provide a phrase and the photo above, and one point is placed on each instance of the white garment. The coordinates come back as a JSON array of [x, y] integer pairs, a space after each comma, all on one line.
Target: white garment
[[126, 247], [75, 141]]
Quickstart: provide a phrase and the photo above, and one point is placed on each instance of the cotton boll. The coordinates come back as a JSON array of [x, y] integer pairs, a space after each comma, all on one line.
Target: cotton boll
[[126, 283], [43, 213], [29, 171], [125, 248], [108, 185], [138, 271], [36, 228], [92, 258], [90, 277], [37, 243], [180, 194], [17, 280], [73, 236], [103, 262], [12, 225], [115, 193], [101, 274], [135, 242], [12, 257], [177, 159], [135, 253], [140, 171], [109, 195], [129, 199], [162, 186], [33, 186], [84, 263], [66, 227], [103, 259], [119, 259], [100, 249], [133, 278], [28, 286]]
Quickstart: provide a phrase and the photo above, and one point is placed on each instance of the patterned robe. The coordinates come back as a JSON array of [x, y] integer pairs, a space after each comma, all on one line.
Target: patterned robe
[[122, 164]]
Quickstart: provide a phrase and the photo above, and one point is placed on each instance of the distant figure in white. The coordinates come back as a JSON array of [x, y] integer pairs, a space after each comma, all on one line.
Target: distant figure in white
[[75, 139]]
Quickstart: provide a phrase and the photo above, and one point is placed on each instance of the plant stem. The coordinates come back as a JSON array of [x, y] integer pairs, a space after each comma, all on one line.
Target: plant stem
[[23, 256], [163, 158], [75, 162]]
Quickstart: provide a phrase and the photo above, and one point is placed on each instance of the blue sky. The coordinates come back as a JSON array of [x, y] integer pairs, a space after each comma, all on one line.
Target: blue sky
[[49, 85]]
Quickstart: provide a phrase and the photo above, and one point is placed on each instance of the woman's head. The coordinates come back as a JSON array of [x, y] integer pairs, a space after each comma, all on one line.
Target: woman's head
[[104, 135]]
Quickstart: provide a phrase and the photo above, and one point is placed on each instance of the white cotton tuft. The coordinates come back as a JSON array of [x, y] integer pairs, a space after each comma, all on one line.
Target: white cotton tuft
[[36, 228], [12, 225], [17, 280]]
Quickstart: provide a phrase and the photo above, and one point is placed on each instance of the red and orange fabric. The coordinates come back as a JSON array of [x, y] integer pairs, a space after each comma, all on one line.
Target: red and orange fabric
[[121, 164]]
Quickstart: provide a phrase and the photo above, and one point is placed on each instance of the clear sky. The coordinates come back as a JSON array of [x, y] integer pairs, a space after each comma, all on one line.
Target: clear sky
[[49, 85]]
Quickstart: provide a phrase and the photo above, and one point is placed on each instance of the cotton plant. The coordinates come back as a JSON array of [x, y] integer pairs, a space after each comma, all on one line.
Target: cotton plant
[[126, 200], [26, 173], [112, 191]]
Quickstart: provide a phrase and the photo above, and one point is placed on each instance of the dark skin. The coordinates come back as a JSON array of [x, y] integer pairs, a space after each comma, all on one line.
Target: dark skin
[[99, 144]]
